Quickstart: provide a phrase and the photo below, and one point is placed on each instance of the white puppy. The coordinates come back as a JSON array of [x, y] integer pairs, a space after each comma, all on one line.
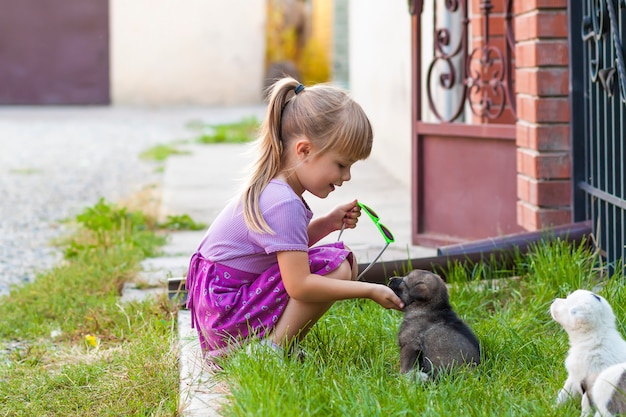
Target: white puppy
[[595, 342], [606, 392]]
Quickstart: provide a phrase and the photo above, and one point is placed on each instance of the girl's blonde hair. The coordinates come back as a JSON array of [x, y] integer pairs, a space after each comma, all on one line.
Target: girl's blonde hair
[[326, 115]]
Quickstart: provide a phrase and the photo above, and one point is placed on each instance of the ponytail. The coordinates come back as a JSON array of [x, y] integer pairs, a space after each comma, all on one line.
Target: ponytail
[[270, 150]]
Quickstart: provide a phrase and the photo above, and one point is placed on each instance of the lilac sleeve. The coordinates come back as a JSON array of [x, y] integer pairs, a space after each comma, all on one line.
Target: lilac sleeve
[[289, 219]]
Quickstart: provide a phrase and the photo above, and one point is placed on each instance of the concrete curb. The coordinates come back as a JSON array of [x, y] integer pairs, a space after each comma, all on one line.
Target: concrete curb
[[200, 394]]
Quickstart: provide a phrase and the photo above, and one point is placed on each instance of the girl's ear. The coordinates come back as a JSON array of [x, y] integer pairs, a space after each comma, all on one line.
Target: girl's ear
[[303, 148]]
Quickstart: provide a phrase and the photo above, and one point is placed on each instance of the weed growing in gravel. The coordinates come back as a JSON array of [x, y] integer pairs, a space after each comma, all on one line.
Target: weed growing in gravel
[[26, 171], [160, 153], [181, 222], [243, 131]]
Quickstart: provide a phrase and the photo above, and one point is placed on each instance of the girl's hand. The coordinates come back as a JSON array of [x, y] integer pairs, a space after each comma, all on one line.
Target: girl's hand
[[321, 227], [346, 214], [385, 296]]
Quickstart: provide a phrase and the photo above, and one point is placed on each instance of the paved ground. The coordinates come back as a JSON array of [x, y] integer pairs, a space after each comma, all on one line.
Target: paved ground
[[56, 161]]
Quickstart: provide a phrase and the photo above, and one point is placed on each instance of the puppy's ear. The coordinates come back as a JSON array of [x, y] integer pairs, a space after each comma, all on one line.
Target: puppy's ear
[[394, 281], [576, 311], [579, 315], [419, 292]]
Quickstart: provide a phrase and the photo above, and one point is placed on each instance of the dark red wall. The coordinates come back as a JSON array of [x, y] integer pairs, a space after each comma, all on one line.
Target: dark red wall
[[54, 52]]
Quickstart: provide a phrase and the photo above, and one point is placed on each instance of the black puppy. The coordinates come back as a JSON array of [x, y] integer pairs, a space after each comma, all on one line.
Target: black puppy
[[432, 337]]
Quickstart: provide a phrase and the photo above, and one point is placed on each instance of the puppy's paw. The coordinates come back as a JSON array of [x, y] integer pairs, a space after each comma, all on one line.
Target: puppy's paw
[[586, 407], [416, 375], [564, 396]]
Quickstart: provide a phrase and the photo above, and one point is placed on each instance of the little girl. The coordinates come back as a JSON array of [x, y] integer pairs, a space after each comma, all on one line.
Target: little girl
[[256, 272]]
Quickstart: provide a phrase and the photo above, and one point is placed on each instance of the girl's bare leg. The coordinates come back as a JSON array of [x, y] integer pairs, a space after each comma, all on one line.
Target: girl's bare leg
[[299, 317]]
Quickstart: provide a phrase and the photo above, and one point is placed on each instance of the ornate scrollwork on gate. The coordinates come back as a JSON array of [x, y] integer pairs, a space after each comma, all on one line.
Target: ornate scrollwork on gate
[[481, 76], [599, 32]]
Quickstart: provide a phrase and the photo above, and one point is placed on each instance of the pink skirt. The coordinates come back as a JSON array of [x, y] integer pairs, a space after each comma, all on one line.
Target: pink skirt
[[229, 306]]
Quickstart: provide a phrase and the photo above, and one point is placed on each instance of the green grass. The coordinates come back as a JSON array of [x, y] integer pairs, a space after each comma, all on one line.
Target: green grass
[[160, 153], [352, 367], [242, 131], [68, 347], [181, 222], [26, 171]]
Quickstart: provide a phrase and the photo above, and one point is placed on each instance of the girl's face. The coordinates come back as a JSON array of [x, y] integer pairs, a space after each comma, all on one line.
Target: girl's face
[[320, 174]]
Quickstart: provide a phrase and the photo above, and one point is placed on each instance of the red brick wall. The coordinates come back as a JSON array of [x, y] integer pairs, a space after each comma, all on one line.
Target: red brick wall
[[543, 147]]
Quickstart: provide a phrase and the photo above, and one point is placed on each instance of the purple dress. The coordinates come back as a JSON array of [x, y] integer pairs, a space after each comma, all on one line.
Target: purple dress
[[234, 286]]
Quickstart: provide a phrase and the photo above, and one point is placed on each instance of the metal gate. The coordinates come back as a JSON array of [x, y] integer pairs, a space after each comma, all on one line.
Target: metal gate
[[598, 122], [463, 146]]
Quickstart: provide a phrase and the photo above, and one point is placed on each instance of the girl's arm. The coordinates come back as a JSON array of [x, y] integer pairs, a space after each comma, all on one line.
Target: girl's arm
[[304, 286], [325, 225]]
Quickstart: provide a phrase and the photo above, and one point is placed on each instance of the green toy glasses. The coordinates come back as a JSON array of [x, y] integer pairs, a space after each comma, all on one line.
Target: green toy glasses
[[387, 235]]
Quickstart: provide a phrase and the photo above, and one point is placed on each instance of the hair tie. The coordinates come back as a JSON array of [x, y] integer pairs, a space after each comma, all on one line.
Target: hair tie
[[299, 88]]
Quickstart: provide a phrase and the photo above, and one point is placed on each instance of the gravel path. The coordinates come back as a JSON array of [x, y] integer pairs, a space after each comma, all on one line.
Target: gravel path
[[54, 162]]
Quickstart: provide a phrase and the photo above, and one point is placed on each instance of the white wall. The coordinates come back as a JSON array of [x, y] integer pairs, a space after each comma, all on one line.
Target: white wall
[[208, 52], [380, 77]]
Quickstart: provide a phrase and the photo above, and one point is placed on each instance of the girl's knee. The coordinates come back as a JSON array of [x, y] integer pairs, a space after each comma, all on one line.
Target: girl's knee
[[348, 270], [354, 266]]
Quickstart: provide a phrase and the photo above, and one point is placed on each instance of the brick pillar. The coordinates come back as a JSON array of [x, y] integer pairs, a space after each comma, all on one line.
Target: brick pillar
[[543, 146]]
